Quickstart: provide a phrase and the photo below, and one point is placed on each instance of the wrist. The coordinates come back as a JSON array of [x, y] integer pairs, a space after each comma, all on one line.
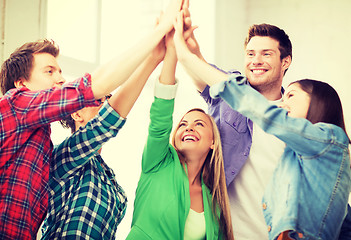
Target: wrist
[[171, 52], [154, 60]]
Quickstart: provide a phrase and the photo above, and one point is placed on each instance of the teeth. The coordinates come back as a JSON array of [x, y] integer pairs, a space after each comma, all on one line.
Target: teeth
[[258, 71], [189, 138]]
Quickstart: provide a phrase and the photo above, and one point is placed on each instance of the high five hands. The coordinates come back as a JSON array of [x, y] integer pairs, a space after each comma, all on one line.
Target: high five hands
[[176, 18]]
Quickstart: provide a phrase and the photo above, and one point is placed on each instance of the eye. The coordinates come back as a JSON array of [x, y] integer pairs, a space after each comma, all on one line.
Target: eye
[[49, 71], [289, 95], [181, 125], [199, 124], [249, 54]]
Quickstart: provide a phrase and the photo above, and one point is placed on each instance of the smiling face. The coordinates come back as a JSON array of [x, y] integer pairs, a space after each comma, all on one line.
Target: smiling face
[[263, 66], [45, 74], [296, 101], [194, 134]]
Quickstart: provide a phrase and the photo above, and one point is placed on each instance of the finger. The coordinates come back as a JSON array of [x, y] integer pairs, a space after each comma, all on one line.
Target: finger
[[185, 4], [157, 22], [178, 25], [191, 43], [187, 22], [158, 19], [189, 32], [186, 12]]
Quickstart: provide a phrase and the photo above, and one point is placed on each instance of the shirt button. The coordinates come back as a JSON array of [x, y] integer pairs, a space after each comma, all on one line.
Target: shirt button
[[233, 172], [269, 228], [264, 206]]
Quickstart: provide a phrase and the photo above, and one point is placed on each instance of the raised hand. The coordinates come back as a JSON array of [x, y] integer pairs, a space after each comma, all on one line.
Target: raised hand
[[202, 73], [158, 53], [178, 38], [189, 31], [170, 14]]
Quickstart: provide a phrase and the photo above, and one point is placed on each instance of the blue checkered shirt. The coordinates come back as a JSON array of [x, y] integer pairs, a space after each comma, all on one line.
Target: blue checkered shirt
[[85, 201]]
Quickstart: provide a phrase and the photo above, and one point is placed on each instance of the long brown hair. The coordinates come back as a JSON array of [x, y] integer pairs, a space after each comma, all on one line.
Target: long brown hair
[[325, 105], [214, 177]]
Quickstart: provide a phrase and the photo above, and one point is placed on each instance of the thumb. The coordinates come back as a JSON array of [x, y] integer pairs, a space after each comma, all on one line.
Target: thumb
[[188, 33]]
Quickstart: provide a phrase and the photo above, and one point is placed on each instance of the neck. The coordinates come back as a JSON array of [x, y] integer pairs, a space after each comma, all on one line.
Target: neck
[[273, 96], [271, 93], [194, 167]]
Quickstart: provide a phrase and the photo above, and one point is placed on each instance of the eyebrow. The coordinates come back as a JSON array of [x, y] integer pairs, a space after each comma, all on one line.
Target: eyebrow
[[290, 91], [197, 120], [53, 67], [262, 50]]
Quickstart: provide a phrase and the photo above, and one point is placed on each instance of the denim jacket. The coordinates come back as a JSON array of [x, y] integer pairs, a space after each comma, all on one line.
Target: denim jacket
[[309, 189]]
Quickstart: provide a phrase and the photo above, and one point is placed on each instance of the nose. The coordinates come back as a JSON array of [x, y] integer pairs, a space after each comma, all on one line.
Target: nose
[[189, 128], [60, 80], [257, 59], [281, 105]]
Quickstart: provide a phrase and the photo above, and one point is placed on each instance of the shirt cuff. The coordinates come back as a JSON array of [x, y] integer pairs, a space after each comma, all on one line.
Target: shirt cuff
[[110, 116], [165, 91]]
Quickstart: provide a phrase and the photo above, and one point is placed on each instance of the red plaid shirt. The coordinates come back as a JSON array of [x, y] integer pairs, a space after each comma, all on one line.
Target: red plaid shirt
[[25, 151]]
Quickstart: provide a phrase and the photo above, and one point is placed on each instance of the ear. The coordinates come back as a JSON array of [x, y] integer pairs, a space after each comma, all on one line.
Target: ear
[[212, 146], [286, 62], [21, 82], [76, 116]]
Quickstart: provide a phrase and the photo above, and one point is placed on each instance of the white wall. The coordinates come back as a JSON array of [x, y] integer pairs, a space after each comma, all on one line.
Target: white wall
[[22, 23]]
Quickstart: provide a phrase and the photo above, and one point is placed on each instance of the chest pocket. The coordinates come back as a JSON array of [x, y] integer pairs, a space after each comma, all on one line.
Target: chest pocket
[[232, 125]]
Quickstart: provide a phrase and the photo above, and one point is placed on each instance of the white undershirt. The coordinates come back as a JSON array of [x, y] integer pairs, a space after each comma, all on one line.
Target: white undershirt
[[246, 191], [195, 226]]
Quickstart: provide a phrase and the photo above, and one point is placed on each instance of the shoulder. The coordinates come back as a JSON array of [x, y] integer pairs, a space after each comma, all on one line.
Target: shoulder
[[336, 134]]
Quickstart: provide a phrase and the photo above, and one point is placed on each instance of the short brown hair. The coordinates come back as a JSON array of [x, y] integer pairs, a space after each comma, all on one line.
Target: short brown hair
[[20, 62], [267, 30]]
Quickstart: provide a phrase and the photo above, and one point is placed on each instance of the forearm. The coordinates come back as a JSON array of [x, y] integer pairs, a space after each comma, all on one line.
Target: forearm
[[77, 149], [40, 108], [157, 144], [167, 76], [125, 97], [111, 75], [198, 82], [202, 73]]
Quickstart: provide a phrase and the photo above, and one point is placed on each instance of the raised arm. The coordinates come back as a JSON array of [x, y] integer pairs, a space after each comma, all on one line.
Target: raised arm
[[192, 44], [167, 76], [301, 135], [158, 146], [107, 123], [111, 75], [194, 65], [125, 97]]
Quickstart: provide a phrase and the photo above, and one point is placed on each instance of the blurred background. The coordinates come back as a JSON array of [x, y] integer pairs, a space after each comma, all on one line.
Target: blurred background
[[91, 32]]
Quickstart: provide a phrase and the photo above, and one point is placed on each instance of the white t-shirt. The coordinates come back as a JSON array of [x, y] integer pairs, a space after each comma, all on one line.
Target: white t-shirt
[[195, 226], [246, 191]]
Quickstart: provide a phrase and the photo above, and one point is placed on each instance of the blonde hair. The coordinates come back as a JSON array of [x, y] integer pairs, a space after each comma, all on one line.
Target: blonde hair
[[214, 177]]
